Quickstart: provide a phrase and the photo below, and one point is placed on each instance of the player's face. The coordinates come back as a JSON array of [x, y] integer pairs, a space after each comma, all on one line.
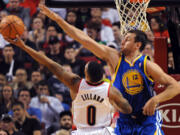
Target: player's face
[[128, 43]]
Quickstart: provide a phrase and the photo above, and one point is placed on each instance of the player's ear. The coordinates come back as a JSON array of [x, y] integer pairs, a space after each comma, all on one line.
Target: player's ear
[[138, 45]]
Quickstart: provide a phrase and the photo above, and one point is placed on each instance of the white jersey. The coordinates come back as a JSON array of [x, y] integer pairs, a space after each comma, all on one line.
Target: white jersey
[[91, 107]]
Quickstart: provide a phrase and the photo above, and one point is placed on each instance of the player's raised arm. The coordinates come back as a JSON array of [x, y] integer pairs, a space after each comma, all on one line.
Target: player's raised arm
[[172, 87], [71, 80], [118, 101], [103, 52]]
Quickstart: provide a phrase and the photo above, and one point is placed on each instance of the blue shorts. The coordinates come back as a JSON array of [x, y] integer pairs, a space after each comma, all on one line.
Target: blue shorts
[[129, 126]]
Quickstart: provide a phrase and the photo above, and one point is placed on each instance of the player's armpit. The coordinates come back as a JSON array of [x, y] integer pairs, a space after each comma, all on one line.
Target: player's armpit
[[118, 101]]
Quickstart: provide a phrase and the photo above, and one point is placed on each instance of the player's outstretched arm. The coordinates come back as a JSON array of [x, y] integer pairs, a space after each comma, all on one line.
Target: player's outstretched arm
[[71, 80], [172, 87], [118, 101], [108, 54]]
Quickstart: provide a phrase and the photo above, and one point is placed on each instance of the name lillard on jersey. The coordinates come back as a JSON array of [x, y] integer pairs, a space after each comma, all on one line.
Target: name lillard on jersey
[[92, 97]]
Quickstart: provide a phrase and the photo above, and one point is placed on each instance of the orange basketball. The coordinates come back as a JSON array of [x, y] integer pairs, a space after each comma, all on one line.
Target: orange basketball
[[11, 26], [138, 1]]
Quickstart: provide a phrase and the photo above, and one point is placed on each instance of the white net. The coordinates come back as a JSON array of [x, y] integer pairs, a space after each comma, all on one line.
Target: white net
[[132, 15]]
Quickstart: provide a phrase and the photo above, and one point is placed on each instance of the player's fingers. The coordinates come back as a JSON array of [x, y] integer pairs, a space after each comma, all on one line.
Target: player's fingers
[[9, 40], [145, 111]]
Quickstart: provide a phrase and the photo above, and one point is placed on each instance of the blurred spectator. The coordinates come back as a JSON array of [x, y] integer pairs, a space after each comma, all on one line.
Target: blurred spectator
[[171, 66], [150, 35], [106, 33], [14, 8], [83, 15], [6, 99], [37, 35], [9, 64], [65, 123], [92, 29], [60, 90], [112, 45], [3, 42], [25, 98], [55, 52], [3, 14], [51, 31], [8, 125], [49, 106], [2, 4], [159, 29], [31, 4], [60, 11], [2, 81], [76, 64], [71, 18], [110, 14], [117, 34], [29, 126], [36, 77], [149, 50], [3, 132], [20, 80]]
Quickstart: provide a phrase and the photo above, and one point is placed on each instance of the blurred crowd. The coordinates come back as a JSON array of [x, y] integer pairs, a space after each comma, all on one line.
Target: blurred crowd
[[33, 100]]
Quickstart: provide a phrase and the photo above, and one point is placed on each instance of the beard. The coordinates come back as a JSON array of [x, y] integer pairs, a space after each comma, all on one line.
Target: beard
[[66, 127]]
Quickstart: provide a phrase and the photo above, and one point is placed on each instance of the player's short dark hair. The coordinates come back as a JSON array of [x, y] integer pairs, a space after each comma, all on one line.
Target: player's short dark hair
[[18, 103], [95, 71], [63, 113], [140, 37]]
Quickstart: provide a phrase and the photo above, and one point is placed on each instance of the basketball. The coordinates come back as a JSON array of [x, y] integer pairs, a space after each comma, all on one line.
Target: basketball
[[11, 26]]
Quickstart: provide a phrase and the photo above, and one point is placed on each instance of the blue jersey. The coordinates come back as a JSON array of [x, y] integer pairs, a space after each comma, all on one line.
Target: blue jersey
[[136, 86], [133, 82]]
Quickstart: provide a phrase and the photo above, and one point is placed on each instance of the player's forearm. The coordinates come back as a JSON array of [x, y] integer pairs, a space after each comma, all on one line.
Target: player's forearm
[[39, 57], [73, 32], [81, 37], [124, 107], [170, 92]]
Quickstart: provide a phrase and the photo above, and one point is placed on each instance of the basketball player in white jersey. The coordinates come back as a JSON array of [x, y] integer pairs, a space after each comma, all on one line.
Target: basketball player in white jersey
[[91, 96]]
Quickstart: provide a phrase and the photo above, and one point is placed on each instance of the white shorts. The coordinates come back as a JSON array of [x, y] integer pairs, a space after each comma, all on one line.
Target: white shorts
[[94, 131]]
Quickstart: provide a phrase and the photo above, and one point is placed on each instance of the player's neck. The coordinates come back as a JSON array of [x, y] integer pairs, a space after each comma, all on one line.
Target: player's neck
[[95, 84], [132, 56]]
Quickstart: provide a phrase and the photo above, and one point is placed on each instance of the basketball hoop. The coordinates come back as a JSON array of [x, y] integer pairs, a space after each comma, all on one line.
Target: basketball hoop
[[132, 15]]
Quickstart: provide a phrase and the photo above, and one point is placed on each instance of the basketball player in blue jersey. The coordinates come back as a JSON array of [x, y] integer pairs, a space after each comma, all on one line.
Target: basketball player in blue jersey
[[134, 75]]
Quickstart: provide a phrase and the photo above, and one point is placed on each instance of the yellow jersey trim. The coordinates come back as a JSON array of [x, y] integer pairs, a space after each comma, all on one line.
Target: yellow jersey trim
[[155, 133], [114, 76], [132, 64], [145, 72]]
